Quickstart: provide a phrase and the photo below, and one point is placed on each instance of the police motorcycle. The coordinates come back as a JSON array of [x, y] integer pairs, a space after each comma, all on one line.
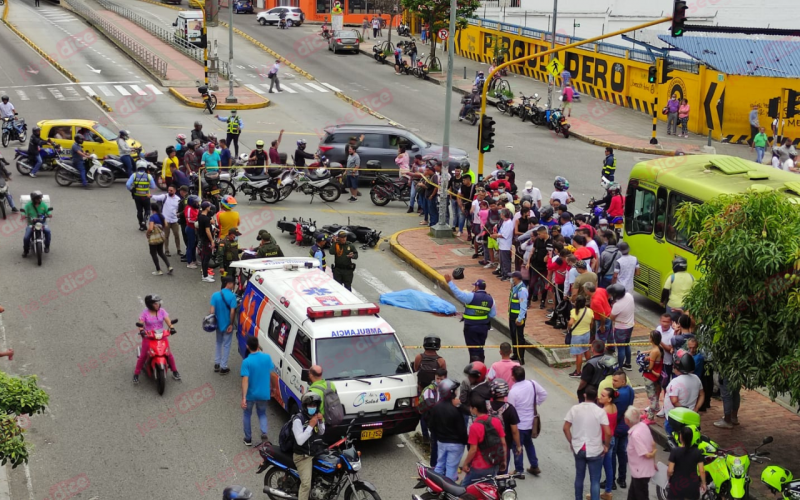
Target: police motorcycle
[[66, 173], [315, 181], [261, 185]]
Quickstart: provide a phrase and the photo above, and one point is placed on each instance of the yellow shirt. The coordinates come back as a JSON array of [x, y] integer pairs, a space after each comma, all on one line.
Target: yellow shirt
[[225, 221], [679, 288], [585, 325], [169, 166], [607, 382]]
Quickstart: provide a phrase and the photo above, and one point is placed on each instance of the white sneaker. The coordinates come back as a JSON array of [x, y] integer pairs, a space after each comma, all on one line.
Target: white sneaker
[[661, 413], [208, 279], [192, 266], [488, 266], [158, 273]]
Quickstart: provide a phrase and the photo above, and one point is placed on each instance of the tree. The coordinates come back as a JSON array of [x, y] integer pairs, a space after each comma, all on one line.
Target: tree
[[18, 396], [386, 7], [437, 14], [748, 298]]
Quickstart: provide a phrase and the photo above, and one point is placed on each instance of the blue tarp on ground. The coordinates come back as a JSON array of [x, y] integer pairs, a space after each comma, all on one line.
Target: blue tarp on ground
[[418, 301]]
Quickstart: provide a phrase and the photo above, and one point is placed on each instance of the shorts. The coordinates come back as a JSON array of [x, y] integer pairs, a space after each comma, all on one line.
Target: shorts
[[567, 106], [491, 244], [476, 229], [576, 340], [650, 387], [351, 181]]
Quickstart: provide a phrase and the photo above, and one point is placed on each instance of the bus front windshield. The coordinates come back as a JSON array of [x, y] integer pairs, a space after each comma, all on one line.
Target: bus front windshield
[[361, 357]]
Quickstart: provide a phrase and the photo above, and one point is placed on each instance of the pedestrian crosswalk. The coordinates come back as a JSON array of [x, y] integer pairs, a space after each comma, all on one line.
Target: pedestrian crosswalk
[[294, 87], [80, 92]]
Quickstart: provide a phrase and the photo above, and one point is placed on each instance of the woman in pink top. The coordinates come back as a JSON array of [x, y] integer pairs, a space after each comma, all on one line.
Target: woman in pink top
[[190, 213], [402, 163], [683, 117], [154, 318], [641, 454], [606, 400], [502, 369]]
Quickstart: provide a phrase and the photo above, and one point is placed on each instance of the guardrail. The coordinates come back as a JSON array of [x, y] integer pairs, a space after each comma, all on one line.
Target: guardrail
[[158, 65]]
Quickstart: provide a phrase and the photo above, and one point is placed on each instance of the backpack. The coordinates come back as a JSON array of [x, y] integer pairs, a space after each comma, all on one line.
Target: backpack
[[427, 370], [604, 366], [333, 409], [286, 437], [495, 413], [491, 447], [423, 405]]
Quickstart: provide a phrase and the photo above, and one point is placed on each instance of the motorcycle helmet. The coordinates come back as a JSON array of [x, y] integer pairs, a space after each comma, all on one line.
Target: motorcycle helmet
[[210, 323], [476, 369], [198, 125], [686, 363], [181, 138], [776, 478], [310, 400], [36, 130], [36, 196], [504, 165], [501, 175], [5, 98], [236, 492], [79, 139], [301, 144], [432, 342], [141, 165], [561, 184], [193, 201], [228, 203], [447, 389], [212, 137], [614, 187], [616, 291], [499, 388], [195, 144], [321, 172], [123, 134], [547, 213], [480, 73], [244, 158], [458, 273], [259, 144], [151, 300], [679, 264], [170, 150]]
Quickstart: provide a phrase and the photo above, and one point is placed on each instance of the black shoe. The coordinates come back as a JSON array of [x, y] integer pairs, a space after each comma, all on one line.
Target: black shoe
[[14, 210], [176, 375], [496, 273], [535, 298], [410, 211], [622, 484], [136, 379], [46, 249], [216, 368], [476, 256], [542, 305], [613, 486], [142, 228], [24, 254], [550, 322], [505, 278], [521, 362], [224, 371], [264, 438], [247, 443]]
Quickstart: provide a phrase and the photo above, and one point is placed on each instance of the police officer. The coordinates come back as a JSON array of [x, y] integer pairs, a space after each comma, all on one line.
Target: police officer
[[479, 308], [517, 308], [609, 164], [229, 250], [268, 247], [234, 129], [139, 184], [344, 253], [318, 250]]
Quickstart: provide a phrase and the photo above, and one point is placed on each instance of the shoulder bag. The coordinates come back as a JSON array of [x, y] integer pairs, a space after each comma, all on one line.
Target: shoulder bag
[[537, 422], [568, 338], [156, 236]]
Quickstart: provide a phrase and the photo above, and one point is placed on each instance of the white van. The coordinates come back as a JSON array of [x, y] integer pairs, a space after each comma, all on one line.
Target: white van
[[302, 318], [189, 26]]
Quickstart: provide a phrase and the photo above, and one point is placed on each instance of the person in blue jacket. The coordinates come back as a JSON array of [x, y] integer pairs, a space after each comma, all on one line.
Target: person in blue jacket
[[479, 309]]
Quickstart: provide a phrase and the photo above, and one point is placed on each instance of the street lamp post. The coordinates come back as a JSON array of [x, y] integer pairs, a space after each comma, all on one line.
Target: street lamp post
[[231, 97]]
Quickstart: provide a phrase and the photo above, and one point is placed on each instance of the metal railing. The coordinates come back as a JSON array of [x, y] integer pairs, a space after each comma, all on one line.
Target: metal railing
[[158, 65]]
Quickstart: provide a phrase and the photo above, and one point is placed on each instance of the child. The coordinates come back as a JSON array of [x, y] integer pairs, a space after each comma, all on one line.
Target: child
[[478, 221]]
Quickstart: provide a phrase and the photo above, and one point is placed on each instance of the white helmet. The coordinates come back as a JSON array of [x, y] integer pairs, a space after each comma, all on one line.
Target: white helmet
[[321, 171], [141, 164], [244, 157], [605, 182]]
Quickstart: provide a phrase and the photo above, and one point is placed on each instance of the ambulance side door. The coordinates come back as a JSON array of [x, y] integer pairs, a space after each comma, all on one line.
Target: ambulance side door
[[279, 333], [300, 357]]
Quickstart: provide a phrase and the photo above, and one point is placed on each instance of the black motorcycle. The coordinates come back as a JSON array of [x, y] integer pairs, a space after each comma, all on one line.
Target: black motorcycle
[[49, 154], [120, 171], [37, 235], [536, 113], [558, 123], [14, 129], [214, 188], [308, 228], [379, 53], [367, 236], [385, 189], [505, 105], [335, 472]]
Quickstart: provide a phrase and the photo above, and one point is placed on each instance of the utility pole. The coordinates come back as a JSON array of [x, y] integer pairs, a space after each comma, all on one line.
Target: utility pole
[[442, 229], [205, 45], [551, 79], [231, 97]]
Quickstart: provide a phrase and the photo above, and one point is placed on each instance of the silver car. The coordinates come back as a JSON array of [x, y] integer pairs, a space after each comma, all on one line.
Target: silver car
[[343, 40]]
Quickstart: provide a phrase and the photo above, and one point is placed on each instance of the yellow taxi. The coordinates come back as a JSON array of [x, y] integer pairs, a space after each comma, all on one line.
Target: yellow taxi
[[197, 4], [97, 138]]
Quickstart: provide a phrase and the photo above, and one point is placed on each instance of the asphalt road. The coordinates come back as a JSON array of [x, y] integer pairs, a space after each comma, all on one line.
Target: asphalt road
[[75, 337]]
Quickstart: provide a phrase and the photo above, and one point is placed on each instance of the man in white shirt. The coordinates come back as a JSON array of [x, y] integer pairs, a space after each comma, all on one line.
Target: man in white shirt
[[685, 390], [533, 193], [622, 311], [505, 240], [523, 395], [169, 210], [589, 435], [273, 76], [667, 333], [626, 267], [7, 109]]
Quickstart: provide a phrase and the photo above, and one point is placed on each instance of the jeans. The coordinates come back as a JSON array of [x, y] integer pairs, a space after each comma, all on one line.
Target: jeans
[[449, 457], [475, 474], [128, 162], [10, 199], [433, 211], [608, 333], [608, 466], [623, 336], [759, 154], [457, 218], [191, 244], [81, 167], [413, 196], [731, 398], [672, 123], [526, 440], [684, 125], [619, 455], [261, 411], [423, 203], [605, 281], [26, 242], [595, 465], [38, 163], [223, 348]]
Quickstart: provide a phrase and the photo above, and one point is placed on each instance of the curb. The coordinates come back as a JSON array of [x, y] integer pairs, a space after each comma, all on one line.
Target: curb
[[160, 4], [102, 103], [35, 47], [543, 354], [5, 10], [188, 102]]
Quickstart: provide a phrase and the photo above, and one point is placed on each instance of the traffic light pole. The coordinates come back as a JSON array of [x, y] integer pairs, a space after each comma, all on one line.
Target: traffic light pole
[[542, 54]]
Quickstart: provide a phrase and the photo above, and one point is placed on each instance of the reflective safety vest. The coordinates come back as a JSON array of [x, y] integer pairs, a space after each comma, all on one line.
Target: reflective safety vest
[[513, 299], [609, 170], [233, 125], [477, 311], [141, 184], [314, 249]]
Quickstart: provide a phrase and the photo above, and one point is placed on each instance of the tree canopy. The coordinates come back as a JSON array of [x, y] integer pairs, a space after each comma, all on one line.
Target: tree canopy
[[748, 297], [437, 14], [18, 396]]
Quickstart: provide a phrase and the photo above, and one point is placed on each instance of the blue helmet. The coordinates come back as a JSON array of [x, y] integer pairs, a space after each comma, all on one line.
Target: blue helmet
[[210, 323]]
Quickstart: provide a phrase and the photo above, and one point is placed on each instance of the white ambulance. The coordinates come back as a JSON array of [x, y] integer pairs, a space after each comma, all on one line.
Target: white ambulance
[[302, 318]]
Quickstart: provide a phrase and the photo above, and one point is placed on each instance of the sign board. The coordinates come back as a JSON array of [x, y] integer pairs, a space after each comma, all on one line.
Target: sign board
[[443, 34], [555, 67], [576, 25]]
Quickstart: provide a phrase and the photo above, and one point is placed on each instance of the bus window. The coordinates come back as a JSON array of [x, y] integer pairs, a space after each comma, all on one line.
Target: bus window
[[661, 212], [674, 235], [639, 211]]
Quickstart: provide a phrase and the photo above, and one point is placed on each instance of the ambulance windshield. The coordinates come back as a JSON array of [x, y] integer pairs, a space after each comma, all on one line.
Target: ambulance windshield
[[361, 356]]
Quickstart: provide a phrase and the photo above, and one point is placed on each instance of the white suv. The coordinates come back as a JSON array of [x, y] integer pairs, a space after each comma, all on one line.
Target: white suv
[[294, 16]]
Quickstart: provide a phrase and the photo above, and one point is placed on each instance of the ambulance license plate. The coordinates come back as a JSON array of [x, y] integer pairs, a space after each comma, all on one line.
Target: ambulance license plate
[[373, 434], [215, 191]]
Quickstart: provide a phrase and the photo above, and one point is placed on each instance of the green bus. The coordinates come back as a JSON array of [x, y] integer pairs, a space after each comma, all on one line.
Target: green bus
[[657, 187]]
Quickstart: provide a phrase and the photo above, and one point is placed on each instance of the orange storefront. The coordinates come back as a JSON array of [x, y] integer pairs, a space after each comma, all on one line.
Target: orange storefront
[[317, 10]]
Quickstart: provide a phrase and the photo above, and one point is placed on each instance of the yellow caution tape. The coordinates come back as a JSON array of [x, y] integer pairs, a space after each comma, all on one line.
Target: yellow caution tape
[[527, 346]]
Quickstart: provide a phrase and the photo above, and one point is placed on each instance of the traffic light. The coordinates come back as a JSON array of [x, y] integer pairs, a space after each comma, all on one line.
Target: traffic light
[[486, 134], [652, 74], [664, 69], [792, 104], [679, 18]]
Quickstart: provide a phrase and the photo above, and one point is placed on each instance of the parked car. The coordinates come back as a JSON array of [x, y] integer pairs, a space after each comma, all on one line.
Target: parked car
[[98, 138], [173, 2], [343, 40], [380, 143], [294, 16], [243, 6]]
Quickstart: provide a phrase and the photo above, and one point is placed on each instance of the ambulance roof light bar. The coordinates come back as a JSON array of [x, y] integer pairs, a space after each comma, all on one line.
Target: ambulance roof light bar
[[320, 312]]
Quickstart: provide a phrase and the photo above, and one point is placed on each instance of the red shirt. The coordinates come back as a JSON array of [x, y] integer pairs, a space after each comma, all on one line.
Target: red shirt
[[559, 271], [617, 206], [600, 305], [500, 182], [585, 253], [476, 433]]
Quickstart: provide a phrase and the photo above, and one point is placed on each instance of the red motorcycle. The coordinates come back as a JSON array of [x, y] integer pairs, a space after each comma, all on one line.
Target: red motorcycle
[[440, 487], [155, 365]]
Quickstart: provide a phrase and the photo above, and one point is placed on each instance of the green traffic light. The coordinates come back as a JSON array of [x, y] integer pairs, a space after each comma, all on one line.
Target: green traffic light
[[678, 33]]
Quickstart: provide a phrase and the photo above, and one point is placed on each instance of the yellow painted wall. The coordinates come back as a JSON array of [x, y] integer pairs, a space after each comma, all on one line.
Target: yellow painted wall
[[719, 102]]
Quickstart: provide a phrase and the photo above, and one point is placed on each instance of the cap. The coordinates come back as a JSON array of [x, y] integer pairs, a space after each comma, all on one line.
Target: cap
[[205, 205], [602, 221], [528, 185], [516, 274], [342, 233], [184, 188], [566, 216], [227, 279], [580, 264], [480, 284], [233, 111], [321, 237], [235, 231]]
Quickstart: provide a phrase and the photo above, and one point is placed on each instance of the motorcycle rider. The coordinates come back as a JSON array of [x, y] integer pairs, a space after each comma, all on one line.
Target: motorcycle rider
[[282, 17], [325, 33], [613, 202], [198, 134], [140, 183], [234, 129], [300, 155], [471, 102], [33, 210], [34, 146], [125, 151], [7, 176], [78, 156], [154, 318], [259, 158], [480, 79], [318, 250], [308, 427], [7, 110]]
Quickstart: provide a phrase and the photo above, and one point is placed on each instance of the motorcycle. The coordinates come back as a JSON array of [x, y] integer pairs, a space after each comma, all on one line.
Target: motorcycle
[[37, 234], [405, 68], [209, 99], [305, 228], [385, 189], [558, 123], [282, 23], [325, 33], [257, 186], [155, 364], [789, 487], [49, 156], [335, 472], [471, 115], [118, 169], [536, 115], [314, 182], [403, 30], [487, 488], [505, 105], [66, 173], [421, 70], [378, 53], [214, 187], [3, 196], [14, 129], [367, 236]]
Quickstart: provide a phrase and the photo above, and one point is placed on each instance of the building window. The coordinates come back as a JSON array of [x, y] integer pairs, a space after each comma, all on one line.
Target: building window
[[356, 6]]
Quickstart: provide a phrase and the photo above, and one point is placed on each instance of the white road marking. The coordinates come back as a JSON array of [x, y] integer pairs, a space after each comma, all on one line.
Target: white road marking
[[88, 90], [360, 297], [138, 90], [105, 90], [254, 88], [331, 87], [154, 89], [374, 282], [23, 96], [40, 94], [286, 88], [122, 90], [300, 86], [56, 93], [316, 87], [71, 92], [414, 283]]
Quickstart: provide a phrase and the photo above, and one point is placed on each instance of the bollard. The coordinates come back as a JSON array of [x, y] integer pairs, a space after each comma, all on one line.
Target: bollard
[[465, 72], [709, 137]]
